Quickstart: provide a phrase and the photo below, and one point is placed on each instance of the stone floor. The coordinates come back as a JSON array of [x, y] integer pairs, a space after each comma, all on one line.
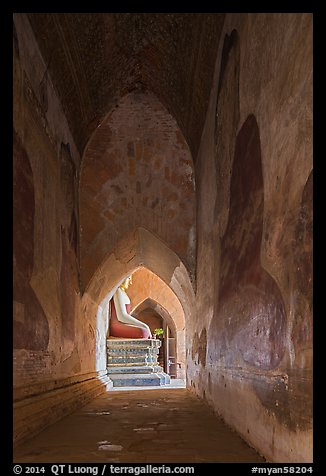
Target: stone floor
[[130, 426]]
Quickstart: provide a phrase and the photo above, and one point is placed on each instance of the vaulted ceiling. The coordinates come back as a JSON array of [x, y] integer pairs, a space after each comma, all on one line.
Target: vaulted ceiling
[[96, 58]]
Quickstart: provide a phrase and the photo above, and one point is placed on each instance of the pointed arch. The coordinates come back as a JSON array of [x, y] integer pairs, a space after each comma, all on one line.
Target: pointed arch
[[149, 287], [175, 324], [158, 308], [137, 171], [139, 249]]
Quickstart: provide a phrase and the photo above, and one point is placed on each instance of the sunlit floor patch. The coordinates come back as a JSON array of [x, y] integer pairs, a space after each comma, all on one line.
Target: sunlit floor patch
[[107, 446]]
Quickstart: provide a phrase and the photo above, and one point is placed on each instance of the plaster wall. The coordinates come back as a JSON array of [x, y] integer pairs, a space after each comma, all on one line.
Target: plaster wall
[[249, 349]]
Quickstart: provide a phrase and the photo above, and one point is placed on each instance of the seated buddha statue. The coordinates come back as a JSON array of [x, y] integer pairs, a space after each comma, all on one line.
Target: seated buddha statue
[[122, 324]]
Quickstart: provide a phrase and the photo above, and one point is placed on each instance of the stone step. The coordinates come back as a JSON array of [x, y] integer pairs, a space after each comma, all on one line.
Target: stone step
[[140, 380], [138, 349], [133, 360], [137, 369], [117, 343]]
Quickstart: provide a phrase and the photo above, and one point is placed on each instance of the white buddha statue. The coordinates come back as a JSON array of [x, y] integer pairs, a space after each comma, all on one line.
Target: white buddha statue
[[122, 324]]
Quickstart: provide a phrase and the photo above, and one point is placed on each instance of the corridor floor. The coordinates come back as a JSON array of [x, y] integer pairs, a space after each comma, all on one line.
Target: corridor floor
[[149, 426]]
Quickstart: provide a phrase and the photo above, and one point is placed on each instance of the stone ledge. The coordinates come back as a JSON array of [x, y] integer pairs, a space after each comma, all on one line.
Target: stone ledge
[[34, 413], [37, 388]]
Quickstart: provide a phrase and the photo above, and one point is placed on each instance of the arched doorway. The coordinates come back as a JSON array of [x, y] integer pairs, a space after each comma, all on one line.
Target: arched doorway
[[156, 317], [162, 265]]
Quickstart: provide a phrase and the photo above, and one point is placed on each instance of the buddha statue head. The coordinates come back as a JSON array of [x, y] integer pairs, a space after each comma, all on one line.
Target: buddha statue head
[[126, 283]]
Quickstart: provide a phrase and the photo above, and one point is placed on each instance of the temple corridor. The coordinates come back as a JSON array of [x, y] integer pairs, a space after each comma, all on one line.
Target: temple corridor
[[146, 426], [162, 232]]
